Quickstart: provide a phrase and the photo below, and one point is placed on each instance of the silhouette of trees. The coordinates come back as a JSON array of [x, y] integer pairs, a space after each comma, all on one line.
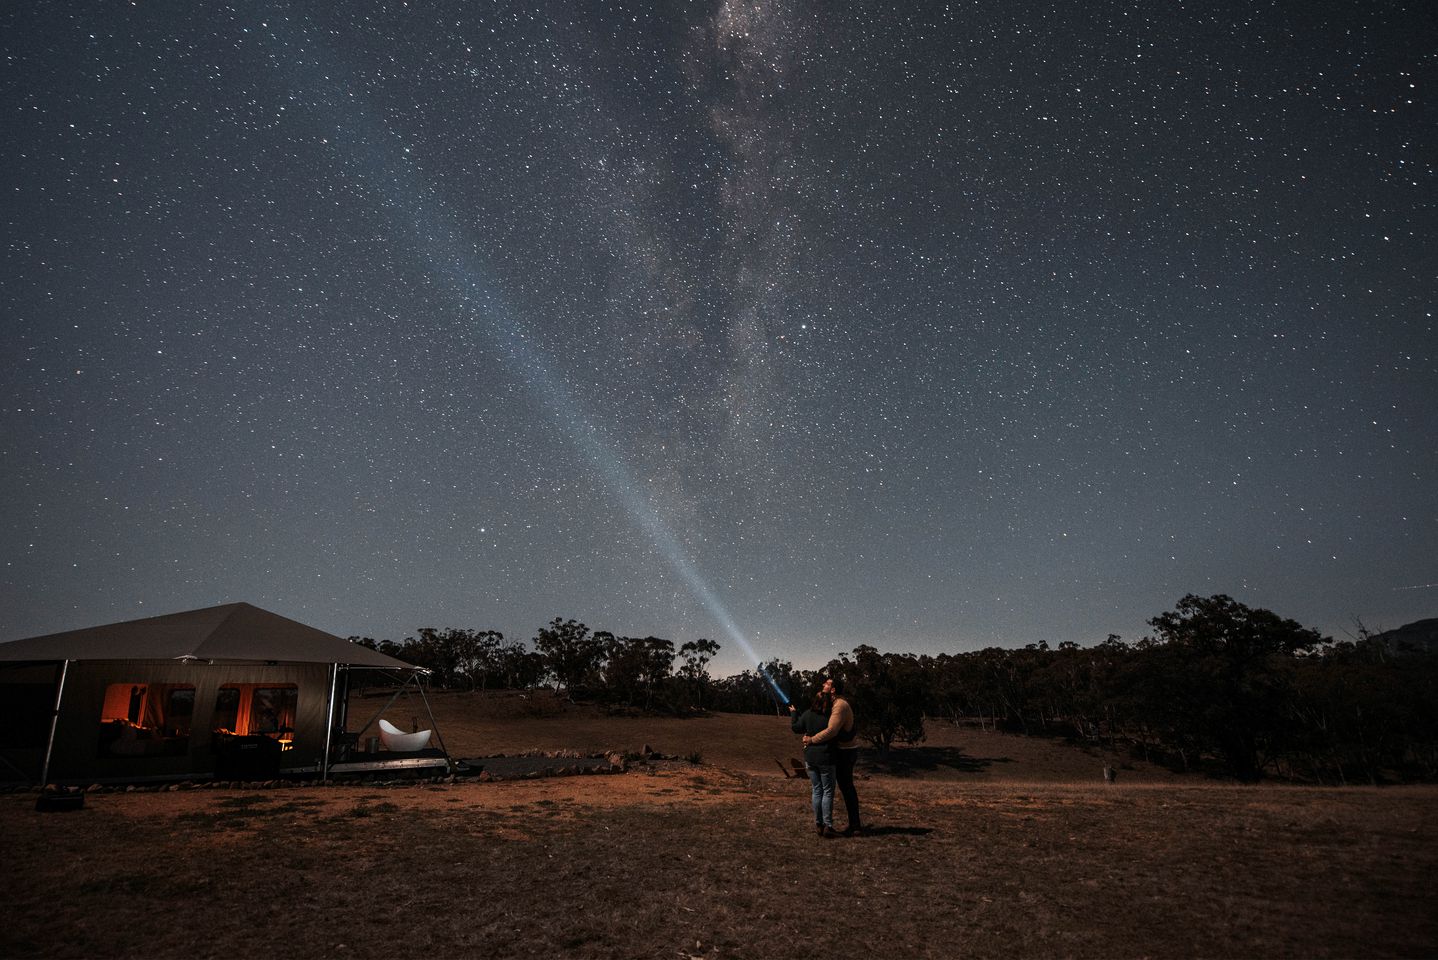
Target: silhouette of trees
[[696, 655], [753, 691], [1360, 712], [485, 669], [633, 671], [1227, 676], [387, 647], [888, 693], [621, 667], [518, 667], [572, 657], [454, 658], [1218, 686], [656, 664], [636, 671]]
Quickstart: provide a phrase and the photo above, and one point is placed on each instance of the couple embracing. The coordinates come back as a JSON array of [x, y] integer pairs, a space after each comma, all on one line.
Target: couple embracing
[[831, 745]]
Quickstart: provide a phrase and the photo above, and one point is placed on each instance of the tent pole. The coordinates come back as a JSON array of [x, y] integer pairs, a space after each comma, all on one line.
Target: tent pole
[[54, 722], [329, 724], [432, 724]]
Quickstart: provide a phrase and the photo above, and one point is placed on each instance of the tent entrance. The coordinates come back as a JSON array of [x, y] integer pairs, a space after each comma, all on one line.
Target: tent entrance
[[363, 750]]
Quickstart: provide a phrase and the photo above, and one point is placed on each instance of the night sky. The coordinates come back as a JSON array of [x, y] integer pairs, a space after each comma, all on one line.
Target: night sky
[[929, 326]]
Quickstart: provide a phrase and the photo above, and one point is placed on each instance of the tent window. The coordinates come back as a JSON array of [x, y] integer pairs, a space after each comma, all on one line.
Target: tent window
[[25, 714], [180, 709], [227, 710], [146, 719], [252, 709]]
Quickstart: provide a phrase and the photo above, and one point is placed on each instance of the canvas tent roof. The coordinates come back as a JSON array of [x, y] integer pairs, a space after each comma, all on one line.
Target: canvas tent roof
[[233, 631]]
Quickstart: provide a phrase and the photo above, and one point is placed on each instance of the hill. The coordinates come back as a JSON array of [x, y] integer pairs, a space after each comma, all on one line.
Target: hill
[[1420, 636]]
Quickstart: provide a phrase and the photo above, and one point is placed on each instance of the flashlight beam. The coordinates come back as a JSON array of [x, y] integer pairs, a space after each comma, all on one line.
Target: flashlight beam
[[438, 241]]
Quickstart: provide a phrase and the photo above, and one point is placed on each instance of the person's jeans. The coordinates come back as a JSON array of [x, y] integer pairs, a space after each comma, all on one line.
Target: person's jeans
[[821, 778]]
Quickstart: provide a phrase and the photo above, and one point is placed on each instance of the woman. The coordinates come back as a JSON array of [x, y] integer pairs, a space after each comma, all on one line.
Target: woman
[[842, 734], [818, 761]]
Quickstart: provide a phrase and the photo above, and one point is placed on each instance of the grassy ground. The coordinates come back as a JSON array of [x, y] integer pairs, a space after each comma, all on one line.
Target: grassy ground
[[477, 725], [678, 860]]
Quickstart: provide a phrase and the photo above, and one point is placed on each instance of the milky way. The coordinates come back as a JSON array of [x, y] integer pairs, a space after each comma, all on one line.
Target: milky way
[[920, 325]]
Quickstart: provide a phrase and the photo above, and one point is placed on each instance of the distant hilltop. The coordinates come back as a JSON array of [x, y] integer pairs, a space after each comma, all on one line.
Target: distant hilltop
[[1420, 636]]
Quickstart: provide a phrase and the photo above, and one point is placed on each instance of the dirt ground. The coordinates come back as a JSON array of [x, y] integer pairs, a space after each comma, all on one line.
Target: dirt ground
[[718, 860]]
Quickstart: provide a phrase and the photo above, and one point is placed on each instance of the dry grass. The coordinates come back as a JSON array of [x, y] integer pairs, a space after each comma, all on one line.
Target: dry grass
[[681, 860], [476, 725]]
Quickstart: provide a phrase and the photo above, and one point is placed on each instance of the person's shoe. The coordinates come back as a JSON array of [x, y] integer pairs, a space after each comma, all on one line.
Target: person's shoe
[[854, 830], [819, 828], [828, 833]]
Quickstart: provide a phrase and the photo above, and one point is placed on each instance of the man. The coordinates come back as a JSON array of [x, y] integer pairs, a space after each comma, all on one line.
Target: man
[[843, 731]]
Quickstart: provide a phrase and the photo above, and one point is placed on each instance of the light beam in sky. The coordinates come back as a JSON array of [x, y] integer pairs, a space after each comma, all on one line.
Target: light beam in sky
[[440, 245]]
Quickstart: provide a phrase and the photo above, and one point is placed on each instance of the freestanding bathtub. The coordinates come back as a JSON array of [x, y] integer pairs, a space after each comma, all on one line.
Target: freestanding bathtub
[[397, 741]]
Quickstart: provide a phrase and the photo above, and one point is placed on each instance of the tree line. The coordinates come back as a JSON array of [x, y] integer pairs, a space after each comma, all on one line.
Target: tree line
[[1216, 686], [638, 672]]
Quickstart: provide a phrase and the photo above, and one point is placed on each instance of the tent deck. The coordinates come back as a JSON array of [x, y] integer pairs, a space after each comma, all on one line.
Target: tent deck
[[373, 763]]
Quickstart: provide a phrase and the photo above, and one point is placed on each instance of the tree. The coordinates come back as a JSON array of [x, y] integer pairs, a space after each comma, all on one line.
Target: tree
[[781, 680], [1236, 665], [1362, 711], [696, 655], [656, 662], [570, 654], [387, 647], [455, 657], [519, 667], [485, 667], [758, 690], [888, 694], [623, 667], [1157, 698]]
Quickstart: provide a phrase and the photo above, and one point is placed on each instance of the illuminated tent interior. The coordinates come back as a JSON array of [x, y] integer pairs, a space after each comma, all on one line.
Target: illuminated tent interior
[[233, 692]]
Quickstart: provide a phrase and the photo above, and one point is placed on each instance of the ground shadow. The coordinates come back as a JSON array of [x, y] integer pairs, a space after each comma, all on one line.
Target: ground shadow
[[897, 831], [912, 761]]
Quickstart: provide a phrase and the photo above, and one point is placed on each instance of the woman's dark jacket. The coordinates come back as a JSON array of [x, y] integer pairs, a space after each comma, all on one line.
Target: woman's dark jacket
[[819, 754]]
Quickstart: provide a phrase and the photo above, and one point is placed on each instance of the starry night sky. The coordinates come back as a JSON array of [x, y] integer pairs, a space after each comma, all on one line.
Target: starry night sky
[[930, 326]]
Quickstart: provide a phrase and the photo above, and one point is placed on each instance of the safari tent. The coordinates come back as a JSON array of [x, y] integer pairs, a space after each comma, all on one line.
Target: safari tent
[[233, 692]]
